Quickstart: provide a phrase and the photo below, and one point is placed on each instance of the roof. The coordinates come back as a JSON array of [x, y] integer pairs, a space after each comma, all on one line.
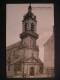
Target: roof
[[20, 46], [26, 60], [13, 45], [51, 38], [33, 58]]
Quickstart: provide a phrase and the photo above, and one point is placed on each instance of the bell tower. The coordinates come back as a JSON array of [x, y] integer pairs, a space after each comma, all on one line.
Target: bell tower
[[29, 35]]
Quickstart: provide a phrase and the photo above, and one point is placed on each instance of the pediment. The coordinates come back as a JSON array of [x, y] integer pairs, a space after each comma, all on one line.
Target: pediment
[[28, 60], [31, 59]]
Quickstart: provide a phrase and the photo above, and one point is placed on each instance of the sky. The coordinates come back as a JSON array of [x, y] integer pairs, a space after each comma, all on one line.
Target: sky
[[45, 22]]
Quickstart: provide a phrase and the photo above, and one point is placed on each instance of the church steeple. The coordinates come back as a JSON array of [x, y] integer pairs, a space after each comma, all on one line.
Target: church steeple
[[29, 24], [29, 8], [29, 14]]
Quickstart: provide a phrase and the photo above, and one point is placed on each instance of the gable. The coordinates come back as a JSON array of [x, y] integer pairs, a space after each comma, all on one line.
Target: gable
[[32, 60]]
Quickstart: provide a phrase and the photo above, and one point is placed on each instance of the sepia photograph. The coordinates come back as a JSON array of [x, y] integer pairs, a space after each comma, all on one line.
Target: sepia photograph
[[30, 41]]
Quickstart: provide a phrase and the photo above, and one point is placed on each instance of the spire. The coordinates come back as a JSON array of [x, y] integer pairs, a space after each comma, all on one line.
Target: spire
[[29, 8], [29, 14]]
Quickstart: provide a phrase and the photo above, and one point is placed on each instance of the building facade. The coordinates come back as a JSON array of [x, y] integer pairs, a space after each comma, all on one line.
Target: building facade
[[49, 57], [22, 58]]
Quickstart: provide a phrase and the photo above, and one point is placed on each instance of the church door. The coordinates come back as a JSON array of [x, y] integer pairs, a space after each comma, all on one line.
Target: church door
[[31, 71]]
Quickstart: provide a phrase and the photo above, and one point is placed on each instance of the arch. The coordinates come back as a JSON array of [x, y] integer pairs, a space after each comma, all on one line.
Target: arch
[[32, 27], [25, 26]]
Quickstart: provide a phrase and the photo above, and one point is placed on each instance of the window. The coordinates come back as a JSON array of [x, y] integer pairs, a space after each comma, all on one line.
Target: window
[[41, 69], [31, 71], [32, 27], [9, 63], [15, 54], [17, 67], [25, 26], [8, 67]]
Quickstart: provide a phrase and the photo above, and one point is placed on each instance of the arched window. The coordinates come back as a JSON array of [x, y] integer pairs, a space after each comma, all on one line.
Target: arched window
[[32, 27], [25, 26]]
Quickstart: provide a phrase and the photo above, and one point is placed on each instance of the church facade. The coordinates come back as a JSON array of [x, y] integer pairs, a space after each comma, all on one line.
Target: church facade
[[22, 58]]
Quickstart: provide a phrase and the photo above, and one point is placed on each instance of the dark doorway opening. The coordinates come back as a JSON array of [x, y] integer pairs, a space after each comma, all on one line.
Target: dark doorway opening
[[31, 71]]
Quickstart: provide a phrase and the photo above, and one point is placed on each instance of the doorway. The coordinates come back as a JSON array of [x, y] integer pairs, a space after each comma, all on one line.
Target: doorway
[[31, 71]]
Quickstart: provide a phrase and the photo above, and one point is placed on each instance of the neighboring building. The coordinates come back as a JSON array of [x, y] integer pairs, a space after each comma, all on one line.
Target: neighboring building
[[22, 58], [49, 57]]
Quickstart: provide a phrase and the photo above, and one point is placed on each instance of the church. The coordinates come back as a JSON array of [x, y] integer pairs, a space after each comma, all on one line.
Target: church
[[22, 58]]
